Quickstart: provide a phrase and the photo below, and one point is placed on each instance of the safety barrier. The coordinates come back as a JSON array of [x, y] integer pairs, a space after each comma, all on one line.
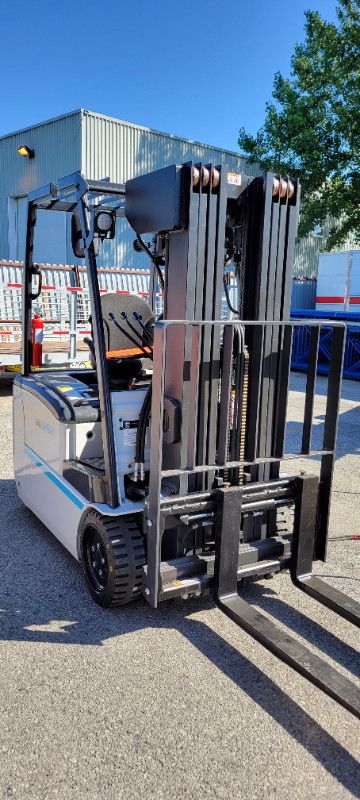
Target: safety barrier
[[63, 275], [65, 312], [301, 342]]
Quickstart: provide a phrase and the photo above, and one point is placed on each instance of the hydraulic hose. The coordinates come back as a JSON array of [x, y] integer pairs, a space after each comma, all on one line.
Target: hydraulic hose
[[239, 378], [147, 250], [128, 335], [230, 306], [149, 338], [126, 319], [141, 435]]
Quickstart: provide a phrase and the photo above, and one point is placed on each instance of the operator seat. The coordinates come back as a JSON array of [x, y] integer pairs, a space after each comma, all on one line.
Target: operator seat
[[125, 361]]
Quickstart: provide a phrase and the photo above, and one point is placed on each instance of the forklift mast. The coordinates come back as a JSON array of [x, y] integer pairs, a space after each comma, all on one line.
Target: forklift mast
[[217, 401]]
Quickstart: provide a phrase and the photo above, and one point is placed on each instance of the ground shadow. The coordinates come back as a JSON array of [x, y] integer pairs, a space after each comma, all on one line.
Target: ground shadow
[[350, 389], [43, 599], [267, 599], [332, 756], [348, 435], [6, 385]]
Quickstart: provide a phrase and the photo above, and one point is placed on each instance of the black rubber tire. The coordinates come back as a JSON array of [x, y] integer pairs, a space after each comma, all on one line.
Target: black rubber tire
[[119, 557]]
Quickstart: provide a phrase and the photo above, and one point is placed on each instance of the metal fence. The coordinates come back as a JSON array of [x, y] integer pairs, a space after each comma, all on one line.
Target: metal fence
[[65, 310], [301, 342]]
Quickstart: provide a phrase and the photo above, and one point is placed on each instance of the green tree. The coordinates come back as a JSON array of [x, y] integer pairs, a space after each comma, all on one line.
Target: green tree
[[312, 130]]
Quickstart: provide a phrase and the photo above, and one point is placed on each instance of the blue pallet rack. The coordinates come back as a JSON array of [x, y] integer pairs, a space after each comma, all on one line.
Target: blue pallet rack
[[301, 341]]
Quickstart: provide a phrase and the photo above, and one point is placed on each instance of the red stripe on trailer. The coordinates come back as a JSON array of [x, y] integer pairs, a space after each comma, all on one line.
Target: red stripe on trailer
[[58, 333], [102, 291], [48, 287], [330, 299], [84, 332], [122, 291], [15, 285], [6, 333], [74, 289], [355, 300]]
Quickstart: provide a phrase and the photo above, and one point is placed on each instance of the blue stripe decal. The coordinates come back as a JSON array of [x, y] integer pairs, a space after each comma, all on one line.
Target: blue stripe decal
[[45, 469]]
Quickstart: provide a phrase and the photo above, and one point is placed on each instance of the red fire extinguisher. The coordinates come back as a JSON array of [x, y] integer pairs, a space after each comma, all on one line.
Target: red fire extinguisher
[[37, 334]]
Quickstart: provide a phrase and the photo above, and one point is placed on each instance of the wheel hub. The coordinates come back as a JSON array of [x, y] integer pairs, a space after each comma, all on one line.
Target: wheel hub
[[96, 559]]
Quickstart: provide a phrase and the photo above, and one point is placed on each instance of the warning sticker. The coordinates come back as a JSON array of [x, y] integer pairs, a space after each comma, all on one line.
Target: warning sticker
[[234, 179], [130, 437], [57, 367], [187, 583]]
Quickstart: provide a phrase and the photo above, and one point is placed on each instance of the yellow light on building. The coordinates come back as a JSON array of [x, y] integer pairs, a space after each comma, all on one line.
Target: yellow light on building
[[24, 150]]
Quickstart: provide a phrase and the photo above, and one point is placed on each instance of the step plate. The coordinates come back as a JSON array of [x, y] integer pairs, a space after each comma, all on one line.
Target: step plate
[[197, 585]]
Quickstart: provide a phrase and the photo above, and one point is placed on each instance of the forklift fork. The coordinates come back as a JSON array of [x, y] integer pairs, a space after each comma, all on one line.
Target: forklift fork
[[289, 650], [303, 547]]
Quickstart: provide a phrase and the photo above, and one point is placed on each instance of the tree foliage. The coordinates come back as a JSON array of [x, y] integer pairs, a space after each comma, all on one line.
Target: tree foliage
[[312, 130]]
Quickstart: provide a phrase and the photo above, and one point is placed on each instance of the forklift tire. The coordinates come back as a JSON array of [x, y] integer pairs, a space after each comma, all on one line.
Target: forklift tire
[[112, 556]]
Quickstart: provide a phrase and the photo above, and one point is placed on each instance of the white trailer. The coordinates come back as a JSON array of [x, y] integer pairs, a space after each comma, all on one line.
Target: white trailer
[[338, 285]]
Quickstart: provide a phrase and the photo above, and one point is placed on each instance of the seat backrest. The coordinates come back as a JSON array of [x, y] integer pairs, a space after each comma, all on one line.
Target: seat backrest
[[117, 303]]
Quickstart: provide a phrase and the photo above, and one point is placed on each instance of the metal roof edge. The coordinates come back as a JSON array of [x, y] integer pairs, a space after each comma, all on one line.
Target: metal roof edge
[[160, 133], [40, 124]]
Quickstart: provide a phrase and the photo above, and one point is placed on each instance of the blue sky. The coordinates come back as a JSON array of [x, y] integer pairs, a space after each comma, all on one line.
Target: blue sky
[[198, 69]]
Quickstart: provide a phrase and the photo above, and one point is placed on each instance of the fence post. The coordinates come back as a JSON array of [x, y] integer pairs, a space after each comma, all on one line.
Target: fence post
[[73, 309]]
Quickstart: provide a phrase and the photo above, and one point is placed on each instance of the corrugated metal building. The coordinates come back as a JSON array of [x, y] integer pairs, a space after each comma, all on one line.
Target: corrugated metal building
[[58, 148], [100, 147]]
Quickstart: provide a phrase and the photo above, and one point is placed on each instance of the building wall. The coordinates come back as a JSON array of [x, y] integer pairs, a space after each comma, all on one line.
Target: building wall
[[101, 147], [119, 150], [57, 145]]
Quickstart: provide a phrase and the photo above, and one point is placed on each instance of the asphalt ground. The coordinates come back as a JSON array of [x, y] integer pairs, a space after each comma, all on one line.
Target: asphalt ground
[[179, 702]]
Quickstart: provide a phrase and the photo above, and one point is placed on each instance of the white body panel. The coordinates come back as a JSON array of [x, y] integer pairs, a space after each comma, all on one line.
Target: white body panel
[[55, 441], [42, 443], [59, 506], [126, 407]]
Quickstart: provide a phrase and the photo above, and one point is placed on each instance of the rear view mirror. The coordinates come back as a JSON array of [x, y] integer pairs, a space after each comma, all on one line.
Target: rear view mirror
[[76, 235], [37, 274]]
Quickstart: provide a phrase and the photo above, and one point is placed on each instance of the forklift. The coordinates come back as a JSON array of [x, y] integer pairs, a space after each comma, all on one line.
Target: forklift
[[160, 468]]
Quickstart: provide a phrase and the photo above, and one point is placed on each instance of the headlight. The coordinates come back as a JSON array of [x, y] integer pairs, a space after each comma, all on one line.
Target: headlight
[[105, 223]]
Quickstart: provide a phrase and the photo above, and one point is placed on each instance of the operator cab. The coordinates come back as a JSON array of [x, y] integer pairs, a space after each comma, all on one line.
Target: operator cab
[[97, 438]]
